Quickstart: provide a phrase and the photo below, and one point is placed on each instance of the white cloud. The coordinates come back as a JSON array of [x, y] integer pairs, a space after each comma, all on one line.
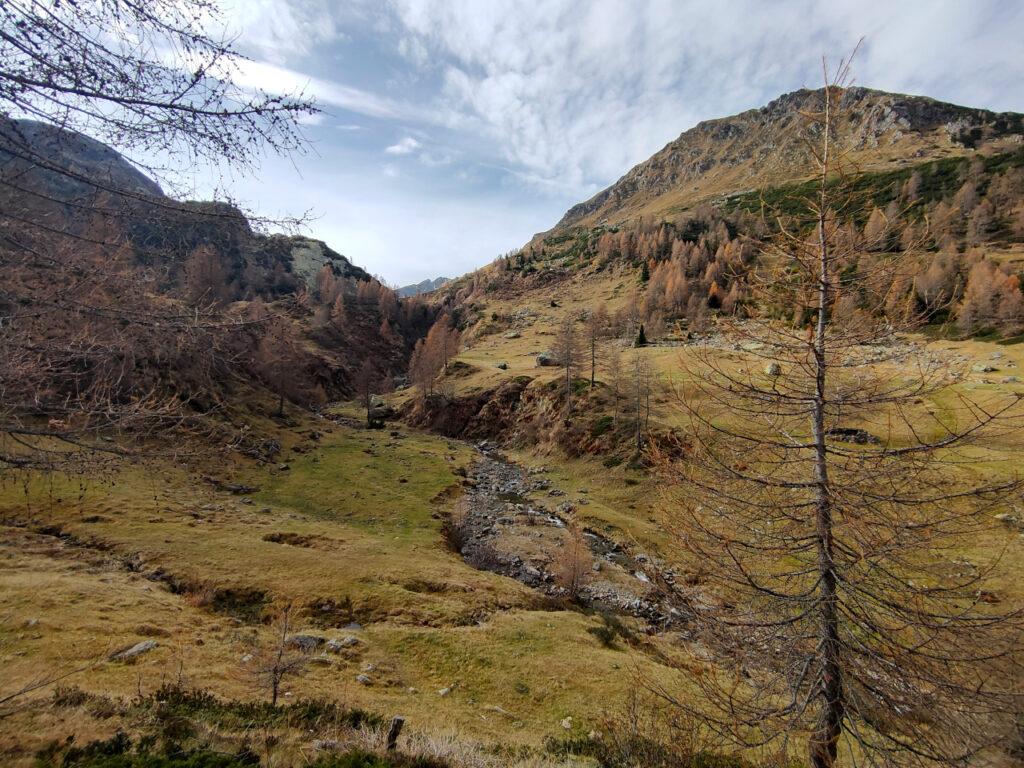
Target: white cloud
[[279, 30], [406, 146], [573, 94], [281, 80]]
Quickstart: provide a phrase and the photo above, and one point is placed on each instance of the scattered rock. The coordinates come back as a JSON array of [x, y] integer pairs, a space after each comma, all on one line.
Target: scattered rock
[[136, 650], [773, 369], [567, 723], [546, 359], [363, 680], [305, 643], [335, 645], [502, 366], [511, 335], [983, 368]]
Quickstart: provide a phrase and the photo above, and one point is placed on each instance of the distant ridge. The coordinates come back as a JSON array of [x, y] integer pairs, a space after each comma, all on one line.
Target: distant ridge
[[425, 286]]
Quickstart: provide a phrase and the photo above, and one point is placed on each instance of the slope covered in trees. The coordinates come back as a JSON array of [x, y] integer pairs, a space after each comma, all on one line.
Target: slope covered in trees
[[954, 205]]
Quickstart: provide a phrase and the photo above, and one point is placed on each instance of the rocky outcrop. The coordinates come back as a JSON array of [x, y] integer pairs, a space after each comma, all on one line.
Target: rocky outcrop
[[481, 415]]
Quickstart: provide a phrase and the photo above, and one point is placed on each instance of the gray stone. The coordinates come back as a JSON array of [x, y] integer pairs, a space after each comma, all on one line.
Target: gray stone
[[305, 643], [363, 680], [136, 650], [335, 645], [773, 369]]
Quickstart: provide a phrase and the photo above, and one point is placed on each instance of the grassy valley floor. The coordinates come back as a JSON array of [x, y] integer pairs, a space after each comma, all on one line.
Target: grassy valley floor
[[347, 530]]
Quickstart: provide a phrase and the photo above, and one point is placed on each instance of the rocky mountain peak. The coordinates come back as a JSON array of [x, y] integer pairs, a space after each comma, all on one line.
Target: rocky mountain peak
[[767, 145]]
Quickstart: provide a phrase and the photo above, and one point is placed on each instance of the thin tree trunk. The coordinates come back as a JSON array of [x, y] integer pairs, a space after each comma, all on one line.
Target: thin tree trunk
[[639, 444], [568, 386], [280, 404], [593, 361], [824, 742]]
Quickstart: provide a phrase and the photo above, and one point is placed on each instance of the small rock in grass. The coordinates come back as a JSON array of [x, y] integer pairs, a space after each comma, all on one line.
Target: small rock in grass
[[136, 650], [305, 642], [363, 680]]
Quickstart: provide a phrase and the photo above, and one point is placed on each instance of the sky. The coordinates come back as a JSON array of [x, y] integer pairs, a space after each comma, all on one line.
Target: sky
[[453, 130]]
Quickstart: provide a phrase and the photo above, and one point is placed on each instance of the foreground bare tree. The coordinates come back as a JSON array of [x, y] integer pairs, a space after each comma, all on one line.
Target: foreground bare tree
[[830, 500], [85, 343], [279, 660]]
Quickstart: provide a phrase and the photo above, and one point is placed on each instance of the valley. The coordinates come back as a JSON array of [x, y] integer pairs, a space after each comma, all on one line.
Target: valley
[[722, 470]]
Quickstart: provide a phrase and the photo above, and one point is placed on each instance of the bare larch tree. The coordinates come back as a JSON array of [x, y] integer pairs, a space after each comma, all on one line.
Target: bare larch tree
[[568, 353], [835, 481]]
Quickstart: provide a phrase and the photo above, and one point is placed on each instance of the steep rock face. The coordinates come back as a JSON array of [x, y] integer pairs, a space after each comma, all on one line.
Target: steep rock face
[[766, 145]]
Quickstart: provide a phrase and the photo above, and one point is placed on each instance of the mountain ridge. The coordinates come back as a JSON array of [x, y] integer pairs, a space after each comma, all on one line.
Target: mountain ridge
[[761, 146]]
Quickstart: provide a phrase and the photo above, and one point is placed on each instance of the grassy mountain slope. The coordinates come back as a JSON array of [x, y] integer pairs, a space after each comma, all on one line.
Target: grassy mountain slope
[[765, 147]]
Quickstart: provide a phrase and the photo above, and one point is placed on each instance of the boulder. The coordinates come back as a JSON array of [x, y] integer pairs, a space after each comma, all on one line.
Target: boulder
[[773, 369], [546, 359]]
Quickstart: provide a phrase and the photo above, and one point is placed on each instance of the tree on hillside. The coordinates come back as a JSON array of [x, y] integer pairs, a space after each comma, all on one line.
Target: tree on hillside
[[279, 661], [569, 354], [433, 353], [369, 382], [829, 508], [614, 370], [277, 358], [596, 330], [572, 566], [641, 386]]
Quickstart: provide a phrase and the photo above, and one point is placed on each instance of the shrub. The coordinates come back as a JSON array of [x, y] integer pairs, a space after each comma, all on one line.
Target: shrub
[[610, 628], [117, 752], [601, 426], [361, 759]]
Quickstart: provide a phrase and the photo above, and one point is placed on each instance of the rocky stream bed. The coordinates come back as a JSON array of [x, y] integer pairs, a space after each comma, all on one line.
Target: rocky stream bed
[[511, 521]]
